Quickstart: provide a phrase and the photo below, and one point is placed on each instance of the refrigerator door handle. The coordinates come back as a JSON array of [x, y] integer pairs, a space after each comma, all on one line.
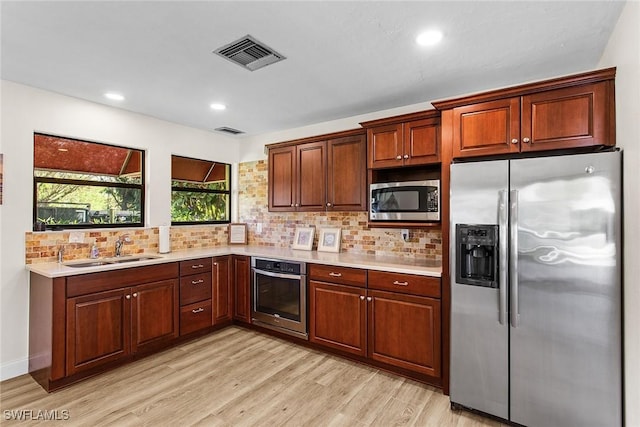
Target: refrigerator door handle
[[503, 229], [513, 257]]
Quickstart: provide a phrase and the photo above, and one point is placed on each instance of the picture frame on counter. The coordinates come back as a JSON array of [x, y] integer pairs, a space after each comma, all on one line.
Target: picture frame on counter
[[238, 233], [329, 240], [303, 238]]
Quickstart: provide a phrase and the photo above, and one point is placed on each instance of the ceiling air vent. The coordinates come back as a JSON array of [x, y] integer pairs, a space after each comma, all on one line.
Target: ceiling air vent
[[249, 53], [232, 131]]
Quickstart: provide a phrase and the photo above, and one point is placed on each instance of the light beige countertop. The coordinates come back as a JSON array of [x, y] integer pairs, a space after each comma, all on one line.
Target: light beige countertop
[[344, 259]]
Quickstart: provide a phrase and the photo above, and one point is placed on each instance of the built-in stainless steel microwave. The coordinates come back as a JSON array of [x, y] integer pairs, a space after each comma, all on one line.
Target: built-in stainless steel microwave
[[405, 201]]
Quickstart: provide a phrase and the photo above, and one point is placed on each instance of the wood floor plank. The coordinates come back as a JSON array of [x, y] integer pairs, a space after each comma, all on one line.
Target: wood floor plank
[[236, 377]]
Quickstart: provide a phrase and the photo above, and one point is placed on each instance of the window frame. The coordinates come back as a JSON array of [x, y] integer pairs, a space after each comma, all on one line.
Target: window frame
[[89, 183], [202, 190]]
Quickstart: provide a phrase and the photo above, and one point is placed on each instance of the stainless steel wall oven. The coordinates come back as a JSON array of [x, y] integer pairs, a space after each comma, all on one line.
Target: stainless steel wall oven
[[280, 295]]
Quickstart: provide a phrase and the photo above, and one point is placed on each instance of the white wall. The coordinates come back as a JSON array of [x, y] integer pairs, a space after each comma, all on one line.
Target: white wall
[[623, 51], [253, 147], [25, 110]]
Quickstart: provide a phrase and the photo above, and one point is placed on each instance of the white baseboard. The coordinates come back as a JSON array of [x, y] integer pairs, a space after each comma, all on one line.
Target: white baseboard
[[14, 369]]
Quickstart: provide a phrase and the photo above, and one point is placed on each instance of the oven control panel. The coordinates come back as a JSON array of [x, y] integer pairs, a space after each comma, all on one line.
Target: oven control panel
[[278, 266]]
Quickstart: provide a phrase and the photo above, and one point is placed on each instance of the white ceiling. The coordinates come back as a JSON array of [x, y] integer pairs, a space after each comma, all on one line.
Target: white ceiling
[[343, 58]]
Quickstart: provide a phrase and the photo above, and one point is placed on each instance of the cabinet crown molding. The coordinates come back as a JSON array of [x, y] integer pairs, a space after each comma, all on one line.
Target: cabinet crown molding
[[528, 88], [427, 114]]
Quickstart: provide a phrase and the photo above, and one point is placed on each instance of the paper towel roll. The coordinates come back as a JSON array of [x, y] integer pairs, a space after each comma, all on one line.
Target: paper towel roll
[[164, 243]]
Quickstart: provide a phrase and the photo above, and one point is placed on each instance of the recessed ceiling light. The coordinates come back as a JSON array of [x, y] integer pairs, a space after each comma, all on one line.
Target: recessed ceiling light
[[114, 96], [218, 107], [429, 38]]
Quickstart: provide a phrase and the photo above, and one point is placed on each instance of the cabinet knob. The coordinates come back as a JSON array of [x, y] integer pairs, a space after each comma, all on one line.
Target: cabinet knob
[[398, 157], [297, 204], [329, 205], [526, 140], [215, 263], [369, 299], [406, 156], [292, 204], [362, 297], [514, 141], [135, 294], [127, 296]]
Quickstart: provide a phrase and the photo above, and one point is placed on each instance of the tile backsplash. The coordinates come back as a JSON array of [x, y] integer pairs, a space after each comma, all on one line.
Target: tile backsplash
[[44, 246], [278, 228]]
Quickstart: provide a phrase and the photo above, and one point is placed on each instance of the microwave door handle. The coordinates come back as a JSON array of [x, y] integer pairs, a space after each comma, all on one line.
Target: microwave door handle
[[503, 238]]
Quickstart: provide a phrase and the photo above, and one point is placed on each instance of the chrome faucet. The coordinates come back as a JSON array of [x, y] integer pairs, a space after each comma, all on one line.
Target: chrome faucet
[[120, 242], [60, 254]]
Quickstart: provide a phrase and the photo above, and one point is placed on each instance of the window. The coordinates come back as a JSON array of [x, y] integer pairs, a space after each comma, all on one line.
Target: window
[[81, 184], [200, 191]]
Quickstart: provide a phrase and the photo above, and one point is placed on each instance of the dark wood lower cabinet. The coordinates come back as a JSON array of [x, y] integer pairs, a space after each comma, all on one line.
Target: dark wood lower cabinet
[[404, 331], [98, 329], [338, 316], [222, 291], [106, 326], [154, 314], [242, 288]]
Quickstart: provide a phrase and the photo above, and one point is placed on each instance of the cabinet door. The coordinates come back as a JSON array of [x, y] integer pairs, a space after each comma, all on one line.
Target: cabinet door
[[384, 144], [338, 317], [98, 329], [154, 314], [566, 118], [347, 174], [421, 142], [242, 288], [404, 331], [487, 128], [282, 181], [312, 176], [222, 300]]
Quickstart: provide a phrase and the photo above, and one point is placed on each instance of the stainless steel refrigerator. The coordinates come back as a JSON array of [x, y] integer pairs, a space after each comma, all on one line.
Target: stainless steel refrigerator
[[536, 298]]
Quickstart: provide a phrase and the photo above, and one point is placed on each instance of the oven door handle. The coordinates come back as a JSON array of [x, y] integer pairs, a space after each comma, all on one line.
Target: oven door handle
[[279, 275]]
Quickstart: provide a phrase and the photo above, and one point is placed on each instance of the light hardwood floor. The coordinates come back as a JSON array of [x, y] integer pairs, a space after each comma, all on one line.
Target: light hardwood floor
[[237, 377]]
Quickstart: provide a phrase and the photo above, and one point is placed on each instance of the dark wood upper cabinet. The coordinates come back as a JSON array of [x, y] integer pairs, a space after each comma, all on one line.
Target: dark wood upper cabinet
[[282, 182], [570, 112], [407, 140], [347, 174], [323, 173], [312, 176]]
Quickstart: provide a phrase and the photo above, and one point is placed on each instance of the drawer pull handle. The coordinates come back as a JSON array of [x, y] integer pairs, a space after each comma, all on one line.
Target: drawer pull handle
[[395, 282], [197, 266], [197, 310], [335, 274], [197, 282]]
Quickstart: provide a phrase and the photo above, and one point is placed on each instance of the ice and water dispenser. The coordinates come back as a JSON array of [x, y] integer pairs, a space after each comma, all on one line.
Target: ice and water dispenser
[[477, 255]]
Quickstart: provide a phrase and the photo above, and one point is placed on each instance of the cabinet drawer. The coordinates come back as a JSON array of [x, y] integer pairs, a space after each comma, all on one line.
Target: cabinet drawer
[[405, 283], [194, 317], [342, 275], [196, 287], [194, 266]]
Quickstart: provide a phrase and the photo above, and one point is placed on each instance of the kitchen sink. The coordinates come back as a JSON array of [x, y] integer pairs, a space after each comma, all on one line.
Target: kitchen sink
[[131, 259], [88, 264], [109, 261]]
